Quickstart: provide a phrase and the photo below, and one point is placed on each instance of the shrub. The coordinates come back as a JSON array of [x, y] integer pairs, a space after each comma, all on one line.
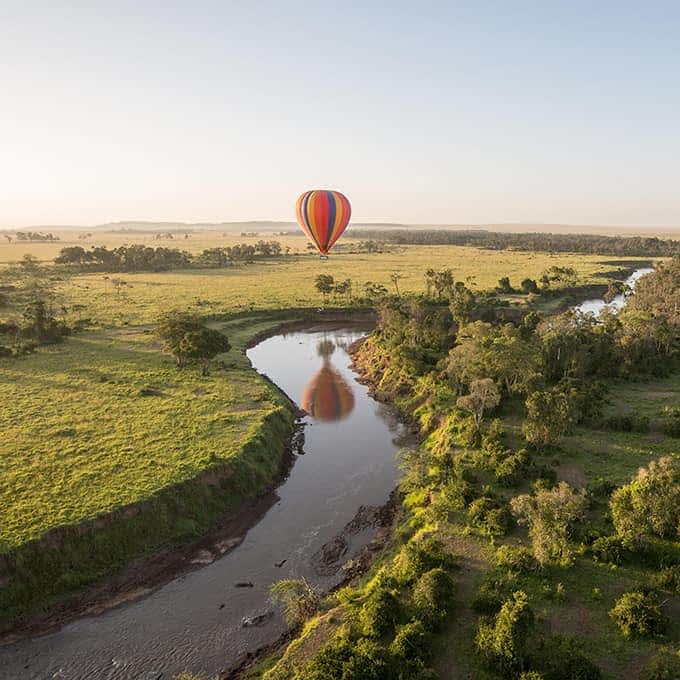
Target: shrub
[[502, 644], [650, 504], [665, 665], [411, 642], [610, 549], [627, 423], [379, 613], [299, 599], [559, 658], [487, 600], [549, 514], [350, 660], [490, 515], [668, 579], [419, 556], [432, 597], [636, 613], [515, 558], [513, 468]]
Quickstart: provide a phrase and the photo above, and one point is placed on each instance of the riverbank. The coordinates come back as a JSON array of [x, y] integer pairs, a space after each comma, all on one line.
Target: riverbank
[[78, 569], [459, 493]]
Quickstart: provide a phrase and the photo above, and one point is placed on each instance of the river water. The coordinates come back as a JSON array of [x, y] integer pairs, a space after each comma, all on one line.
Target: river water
[[195, 623], [596, 306]]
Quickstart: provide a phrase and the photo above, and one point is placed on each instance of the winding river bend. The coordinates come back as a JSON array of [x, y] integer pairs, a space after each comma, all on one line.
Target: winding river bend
[[196, 622]]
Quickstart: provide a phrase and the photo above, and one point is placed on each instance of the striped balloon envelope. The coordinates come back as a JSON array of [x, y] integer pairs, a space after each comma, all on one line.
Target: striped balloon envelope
[[327, 396], [323, 216]]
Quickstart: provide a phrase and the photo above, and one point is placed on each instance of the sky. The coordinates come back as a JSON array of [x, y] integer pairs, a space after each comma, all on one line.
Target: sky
[[420, 112]]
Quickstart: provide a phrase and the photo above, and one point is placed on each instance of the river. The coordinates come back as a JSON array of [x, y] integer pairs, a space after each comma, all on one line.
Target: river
[[597, 305], [195, 623]]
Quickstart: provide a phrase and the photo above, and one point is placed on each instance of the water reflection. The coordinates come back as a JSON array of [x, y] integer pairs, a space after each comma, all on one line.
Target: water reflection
[[327, 396]]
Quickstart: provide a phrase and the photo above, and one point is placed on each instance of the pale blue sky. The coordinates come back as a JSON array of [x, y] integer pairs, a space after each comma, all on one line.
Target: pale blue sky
[[428, 112]]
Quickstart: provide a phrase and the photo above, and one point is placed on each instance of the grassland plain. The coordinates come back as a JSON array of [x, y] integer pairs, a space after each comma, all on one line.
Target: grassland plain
[[80, 442], [289, 282]]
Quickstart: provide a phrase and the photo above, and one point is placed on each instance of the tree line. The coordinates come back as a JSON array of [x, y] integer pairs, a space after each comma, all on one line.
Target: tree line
[[136, 258], [633, 246]]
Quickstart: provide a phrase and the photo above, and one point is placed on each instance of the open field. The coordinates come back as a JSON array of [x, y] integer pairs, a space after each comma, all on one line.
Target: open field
[[289, 281]]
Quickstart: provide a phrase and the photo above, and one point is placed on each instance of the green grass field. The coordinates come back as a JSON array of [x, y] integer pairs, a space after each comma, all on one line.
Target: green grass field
[[81, 441]]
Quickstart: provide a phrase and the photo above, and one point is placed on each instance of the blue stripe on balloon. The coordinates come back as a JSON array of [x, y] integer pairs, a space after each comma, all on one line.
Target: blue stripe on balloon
[[331, 215]]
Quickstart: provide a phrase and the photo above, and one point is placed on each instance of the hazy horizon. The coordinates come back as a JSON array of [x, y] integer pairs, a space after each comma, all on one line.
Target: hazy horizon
[[467, 114]]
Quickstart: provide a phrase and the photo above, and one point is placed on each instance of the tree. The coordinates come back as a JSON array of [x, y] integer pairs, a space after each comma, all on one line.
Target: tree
[[549, 416], [637, 613], [324, 284], [202, 346], [504, 285], [484, 396], [529, 286], [395, 277], [503, 644], [299, 599], [650, 503], [186, 337], [549, 514]]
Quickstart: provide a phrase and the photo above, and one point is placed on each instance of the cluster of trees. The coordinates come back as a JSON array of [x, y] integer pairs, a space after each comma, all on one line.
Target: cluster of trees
[[189, 340], [35, 236], [136, 258], [37, 324], [645, 246]]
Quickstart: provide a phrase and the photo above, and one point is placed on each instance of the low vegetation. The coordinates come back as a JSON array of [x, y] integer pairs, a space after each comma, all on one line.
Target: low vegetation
[[570, 549]]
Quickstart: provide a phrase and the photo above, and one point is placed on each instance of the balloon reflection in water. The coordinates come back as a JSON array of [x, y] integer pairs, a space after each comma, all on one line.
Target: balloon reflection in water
[[327, 396]]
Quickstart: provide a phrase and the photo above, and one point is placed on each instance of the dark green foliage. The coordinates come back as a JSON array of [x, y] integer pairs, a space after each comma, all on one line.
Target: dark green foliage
[[517, 559], [139, 258], [627, 423], [490, 515], [529, 286], [412, 641], [668, 579], [187, 338], [665, 665], [637, 613], [560, 658], [380, 613], [610, 549], [432, 597], [487, 600], [425, 554], [349, 659], [503, 642]]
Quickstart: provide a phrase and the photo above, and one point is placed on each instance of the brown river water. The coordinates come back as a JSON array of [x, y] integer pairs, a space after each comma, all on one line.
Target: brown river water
[[196, 622]]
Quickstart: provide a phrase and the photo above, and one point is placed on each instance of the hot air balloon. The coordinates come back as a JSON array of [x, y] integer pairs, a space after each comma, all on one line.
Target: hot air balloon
[[327, 396], [323, 216]]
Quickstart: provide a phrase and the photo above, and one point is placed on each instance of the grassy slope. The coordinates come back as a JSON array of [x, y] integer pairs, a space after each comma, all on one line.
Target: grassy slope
[[82, 442]]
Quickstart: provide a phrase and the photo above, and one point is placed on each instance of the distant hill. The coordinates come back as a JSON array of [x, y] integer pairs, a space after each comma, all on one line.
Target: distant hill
[[143, 226]]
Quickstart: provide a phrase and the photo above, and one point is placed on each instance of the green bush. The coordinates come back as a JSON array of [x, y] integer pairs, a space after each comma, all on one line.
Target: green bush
[[627, 423], [610, 549], [559, 658], [490, 515], [419, 556], [668, 580], [502, 643], [432, 596], [411, 642], [487, 599], [515, 558], [350, 660], [665, 665], [637, 613], [380, 613]]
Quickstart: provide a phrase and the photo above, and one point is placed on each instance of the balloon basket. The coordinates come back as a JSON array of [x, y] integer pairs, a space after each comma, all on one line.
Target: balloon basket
[[323, 257]]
